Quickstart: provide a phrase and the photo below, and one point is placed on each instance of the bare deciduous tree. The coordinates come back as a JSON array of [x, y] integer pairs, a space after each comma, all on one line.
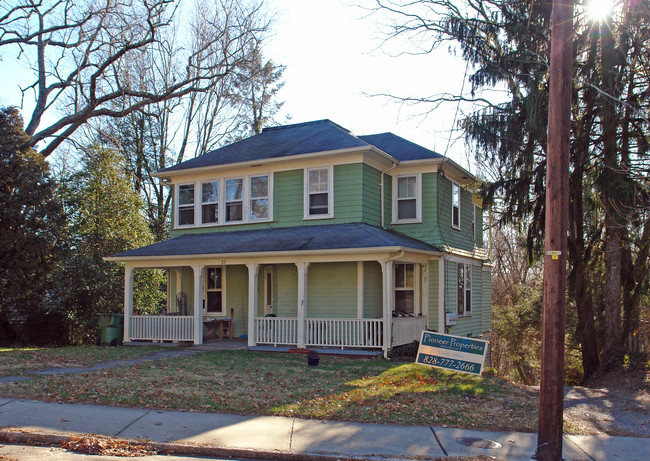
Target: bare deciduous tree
[[83, 55]]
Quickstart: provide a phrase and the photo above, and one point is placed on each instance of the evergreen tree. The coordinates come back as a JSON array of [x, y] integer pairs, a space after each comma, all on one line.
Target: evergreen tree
[[106, 217], [31, 231], [507, 44]]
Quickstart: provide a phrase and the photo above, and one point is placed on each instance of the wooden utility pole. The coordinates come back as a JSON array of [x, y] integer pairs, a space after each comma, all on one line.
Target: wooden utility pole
[[549, 435]]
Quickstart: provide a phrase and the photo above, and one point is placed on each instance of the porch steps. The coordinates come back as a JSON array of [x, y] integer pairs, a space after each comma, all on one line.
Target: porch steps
[[322, 351]]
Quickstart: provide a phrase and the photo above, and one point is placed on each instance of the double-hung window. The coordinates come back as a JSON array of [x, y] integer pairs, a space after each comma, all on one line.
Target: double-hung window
[[464, 289], [406, 198], [405, 288], [214, 291], [318, 192], [455, 205], [210, 202], [186, 204], [259, 198], [234, 200]]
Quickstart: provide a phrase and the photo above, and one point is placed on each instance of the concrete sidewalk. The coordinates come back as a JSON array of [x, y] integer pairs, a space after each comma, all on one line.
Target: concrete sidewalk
[[266, 437]]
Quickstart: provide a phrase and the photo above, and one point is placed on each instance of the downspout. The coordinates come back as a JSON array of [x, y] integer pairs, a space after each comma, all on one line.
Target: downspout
[[382, 198]]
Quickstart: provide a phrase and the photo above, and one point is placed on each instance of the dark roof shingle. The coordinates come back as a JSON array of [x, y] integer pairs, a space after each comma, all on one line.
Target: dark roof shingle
[[304, 138], [281, 239]]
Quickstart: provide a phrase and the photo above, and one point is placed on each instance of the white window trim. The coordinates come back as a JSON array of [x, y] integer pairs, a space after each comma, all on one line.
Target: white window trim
[[218, 202], [414, 288], [330, 193], [418, 199], [474, 222], [197, 214], [460, 199], [244, 207], [223, 293], [466, 268], [221, 220], [269, 197]]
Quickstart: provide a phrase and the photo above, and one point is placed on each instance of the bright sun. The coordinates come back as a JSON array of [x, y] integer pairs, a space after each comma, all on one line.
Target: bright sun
[[597, 10]]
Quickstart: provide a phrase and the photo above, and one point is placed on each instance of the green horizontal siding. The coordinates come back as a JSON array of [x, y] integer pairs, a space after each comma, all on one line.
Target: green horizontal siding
[[332, 290], [449, 236], [434, 291], [287, 291], [371, 193], [487, 300], [236, 297], [372, 290]]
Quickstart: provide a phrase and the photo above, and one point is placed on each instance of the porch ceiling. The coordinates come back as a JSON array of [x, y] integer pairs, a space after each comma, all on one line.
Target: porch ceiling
[[277, 240]]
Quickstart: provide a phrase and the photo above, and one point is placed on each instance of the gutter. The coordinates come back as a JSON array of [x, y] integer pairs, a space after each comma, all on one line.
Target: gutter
[[270, 254]]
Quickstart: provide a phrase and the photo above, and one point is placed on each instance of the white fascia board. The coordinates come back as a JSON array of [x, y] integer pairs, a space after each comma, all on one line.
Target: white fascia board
[[350, 254], [381, 157], [459, 173]]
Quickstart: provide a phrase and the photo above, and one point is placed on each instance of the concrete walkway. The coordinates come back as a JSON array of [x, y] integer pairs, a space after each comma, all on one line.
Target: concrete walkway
[[150, 357], [278, 438]]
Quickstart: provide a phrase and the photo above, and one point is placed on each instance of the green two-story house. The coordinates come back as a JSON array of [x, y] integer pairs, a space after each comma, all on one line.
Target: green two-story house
[[309, 236]]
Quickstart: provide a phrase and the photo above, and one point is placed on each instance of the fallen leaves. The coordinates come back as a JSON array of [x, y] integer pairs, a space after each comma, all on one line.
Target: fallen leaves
[[107, 446]]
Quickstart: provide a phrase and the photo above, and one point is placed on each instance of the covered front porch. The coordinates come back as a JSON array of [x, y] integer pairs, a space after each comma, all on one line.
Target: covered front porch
[[356, 297]]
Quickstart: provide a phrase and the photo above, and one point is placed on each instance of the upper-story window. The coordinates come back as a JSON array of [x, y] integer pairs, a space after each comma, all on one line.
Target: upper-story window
[[464, 289], [185, 204], [234, 199], [259, 198], [318, 192], [210, 202], [225, 201], [407, 198], [455, 205]]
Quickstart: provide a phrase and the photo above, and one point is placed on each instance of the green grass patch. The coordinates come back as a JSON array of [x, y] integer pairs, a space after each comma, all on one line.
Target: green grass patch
[[20, 361], [255, 383]]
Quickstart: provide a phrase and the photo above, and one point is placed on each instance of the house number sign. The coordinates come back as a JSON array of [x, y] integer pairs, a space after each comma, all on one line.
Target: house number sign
[[451, 352]]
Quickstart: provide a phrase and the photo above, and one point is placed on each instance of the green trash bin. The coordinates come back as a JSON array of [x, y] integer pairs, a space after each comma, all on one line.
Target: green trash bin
[[112, 326]]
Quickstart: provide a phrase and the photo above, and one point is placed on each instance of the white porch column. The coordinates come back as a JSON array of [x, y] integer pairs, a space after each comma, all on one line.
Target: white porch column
[[424, 310], [387, 304], [253, 270], [303, 269], [441, 295], [179, 285], [128, 301], [198, 303], [360, 288]]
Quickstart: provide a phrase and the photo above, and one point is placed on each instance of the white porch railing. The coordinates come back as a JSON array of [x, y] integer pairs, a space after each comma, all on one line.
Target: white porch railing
[[344, 332], [408, 329], [161, 327], [276, 330]]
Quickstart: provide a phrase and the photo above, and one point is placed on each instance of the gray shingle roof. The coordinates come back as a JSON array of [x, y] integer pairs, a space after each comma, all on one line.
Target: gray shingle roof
[[282, 239], [304, 138], [399, 148], [277, 142]]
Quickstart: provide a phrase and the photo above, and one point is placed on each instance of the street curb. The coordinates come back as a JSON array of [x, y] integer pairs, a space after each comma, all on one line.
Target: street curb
[[22, 437]]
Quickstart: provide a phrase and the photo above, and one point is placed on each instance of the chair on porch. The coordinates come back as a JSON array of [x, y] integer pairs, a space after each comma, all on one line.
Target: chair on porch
[[227, 326]]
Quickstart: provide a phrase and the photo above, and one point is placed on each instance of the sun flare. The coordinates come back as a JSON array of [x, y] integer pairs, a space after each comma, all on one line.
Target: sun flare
[[598, 10]]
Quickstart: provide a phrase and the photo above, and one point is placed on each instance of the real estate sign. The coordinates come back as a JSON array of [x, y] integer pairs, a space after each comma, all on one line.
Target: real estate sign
[[456, 353]]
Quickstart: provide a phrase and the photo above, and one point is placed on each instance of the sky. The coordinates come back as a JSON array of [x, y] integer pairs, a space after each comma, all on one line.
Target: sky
[[334, 61]]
